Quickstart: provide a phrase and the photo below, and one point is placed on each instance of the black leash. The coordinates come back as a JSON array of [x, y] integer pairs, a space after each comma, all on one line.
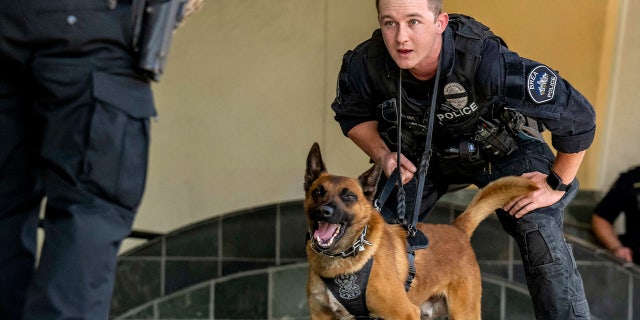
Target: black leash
[[426, 155], [415, 238], [401, 195], [423, 166], [384, 194]]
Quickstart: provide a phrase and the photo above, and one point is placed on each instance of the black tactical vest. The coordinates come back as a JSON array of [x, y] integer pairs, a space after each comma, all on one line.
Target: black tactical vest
[[458, 108]]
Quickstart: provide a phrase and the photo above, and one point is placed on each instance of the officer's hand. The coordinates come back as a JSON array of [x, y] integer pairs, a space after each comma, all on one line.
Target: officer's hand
[[623, 253], [390, 163], [542, 197]]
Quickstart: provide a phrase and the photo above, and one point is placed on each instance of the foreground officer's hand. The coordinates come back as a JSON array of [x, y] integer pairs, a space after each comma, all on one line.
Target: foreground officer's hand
[[390, 163], [543, 197]]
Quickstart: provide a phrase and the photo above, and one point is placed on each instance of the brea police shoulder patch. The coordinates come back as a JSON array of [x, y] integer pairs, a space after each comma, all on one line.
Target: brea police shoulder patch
[[541, 84], [456, 95]]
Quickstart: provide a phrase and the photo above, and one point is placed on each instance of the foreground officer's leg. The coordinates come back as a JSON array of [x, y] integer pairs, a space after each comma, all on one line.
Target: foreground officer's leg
[[95, 143], [96, 157], [20, 199], [20, 189]]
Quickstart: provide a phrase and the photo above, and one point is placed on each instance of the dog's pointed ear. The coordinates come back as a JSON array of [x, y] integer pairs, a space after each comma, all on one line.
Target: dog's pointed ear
[[315, 166], [369, 181]]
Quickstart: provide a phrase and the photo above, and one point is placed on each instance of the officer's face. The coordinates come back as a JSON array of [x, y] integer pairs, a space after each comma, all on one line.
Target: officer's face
[[411, 34]]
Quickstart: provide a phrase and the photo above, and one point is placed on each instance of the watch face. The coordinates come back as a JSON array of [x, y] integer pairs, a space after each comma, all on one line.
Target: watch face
[[554, 181]]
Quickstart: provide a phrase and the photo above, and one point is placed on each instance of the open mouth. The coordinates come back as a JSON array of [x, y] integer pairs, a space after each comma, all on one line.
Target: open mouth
[[327, 234]]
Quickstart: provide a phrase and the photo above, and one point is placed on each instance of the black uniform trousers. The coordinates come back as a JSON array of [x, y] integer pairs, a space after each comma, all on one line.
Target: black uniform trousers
[[74, 130]]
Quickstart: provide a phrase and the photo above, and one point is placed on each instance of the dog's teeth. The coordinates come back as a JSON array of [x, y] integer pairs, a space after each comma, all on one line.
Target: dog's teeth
[[323, 243], [326, 233]]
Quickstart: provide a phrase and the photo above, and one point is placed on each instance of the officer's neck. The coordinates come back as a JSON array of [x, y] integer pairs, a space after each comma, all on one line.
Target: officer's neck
[[427, 68]]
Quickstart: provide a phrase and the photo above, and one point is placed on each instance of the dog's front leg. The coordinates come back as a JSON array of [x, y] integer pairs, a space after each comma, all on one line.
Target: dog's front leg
[[327, 312], [321, 309], [322, 304], [395, 311], [321, 314], [392, 305]]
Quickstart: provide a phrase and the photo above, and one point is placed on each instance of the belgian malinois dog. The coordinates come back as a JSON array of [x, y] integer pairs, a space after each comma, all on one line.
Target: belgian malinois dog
[[348, 235]]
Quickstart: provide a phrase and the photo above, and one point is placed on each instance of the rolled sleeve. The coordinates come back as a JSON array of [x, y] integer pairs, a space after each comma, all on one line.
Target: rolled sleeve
[[574, 143], [575, 130]]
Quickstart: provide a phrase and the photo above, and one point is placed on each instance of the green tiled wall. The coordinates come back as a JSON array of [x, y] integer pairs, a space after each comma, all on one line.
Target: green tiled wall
[[251, 264]]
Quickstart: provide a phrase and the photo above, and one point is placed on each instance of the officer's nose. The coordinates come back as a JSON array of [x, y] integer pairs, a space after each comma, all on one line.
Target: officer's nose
[[402, 36]]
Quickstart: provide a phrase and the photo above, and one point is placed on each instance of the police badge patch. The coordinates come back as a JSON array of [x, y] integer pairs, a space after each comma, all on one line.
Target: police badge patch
[[541, 84], [456, 95]]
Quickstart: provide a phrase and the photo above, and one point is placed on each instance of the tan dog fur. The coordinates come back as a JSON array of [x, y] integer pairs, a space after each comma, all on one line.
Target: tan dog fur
[[446, 269]]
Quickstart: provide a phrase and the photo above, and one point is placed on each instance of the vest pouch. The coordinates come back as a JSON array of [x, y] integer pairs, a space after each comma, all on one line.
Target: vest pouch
[[462, 158], [495, 140]]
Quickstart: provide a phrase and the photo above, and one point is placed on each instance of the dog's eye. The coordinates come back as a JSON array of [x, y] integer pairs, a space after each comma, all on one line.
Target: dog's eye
[[319, 192], [349, 197]]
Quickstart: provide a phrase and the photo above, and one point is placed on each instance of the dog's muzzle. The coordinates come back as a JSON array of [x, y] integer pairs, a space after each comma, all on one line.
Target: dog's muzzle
[[328, 214]]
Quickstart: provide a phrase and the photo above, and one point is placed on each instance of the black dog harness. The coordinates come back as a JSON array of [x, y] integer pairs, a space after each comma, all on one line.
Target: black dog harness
[[351, 290]]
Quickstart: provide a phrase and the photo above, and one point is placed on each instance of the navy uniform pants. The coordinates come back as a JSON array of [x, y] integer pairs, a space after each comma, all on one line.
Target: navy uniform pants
[[74, 132], [553, 279]]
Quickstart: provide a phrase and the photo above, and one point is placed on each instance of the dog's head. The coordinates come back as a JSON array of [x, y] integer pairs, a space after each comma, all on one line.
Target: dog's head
[[337, 207]]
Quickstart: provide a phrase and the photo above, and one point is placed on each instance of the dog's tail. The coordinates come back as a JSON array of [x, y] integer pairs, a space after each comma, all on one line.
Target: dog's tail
[[493, 196]]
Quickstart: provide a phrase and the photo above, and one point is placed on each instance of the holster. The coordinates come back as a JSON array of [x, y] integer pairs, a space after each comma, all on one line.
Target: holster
[[154, 22]]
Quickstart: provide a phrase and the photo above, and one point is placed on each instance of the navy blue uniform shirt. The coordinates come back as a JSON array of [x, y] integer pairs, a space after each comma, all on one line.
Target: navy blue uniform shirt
[[502, 77]]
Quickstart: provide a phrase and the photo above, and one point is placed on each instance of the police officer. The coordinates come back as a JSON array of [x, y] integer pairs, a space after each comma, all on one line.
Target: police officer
[[491, 105], [74, 128], [622, 197]]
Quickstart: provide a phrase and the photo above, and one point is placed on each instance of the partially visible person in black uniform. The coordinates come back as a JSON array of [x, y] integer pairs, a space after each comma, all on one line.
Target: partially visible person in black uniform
[[491, 106], [622, 198], [74, 128]]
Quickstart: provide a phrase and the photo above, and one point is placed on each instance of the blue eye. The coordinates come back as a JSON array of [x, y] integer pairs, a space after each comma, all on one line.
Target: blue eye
[[413, 22]]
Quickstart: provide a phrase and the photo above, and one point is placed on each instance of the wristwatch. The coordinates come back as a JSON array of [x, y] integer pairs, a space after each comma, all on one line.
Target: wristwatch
[[555, 182]]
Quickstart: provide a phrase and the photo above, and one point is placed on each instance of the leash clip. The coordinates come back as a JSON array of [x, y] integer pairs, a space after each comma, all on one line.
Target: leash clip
[[411, 230], [376, 205]]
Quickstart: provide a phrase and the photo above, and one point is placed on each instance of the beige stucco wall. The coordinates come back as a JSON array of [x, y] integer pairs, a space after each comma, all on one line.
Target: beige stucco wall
[[620, 116], [567, 37], [249, 83]]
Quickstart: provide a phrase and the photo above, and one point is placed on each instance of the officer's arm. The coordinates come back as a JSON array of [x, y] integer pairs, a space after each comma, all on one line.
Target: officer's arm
[[538, 92], [605, 233], [566, 165], [603, 230], [365, 135]]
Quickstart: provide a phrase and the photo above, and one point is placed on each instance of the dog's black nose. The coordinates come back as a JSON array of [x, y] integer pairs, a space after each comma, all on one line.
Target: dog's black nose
[[325, 211]]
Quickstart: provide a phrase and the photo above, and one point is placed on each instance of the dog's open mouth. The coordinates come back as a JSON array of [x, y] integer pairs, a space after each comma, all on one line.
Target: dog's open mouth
[[327, 234]]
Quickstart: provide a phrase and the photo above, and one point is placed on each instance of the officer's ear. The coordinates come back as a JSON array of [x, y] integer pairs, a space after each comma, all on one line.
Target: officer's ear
[[442, 20]]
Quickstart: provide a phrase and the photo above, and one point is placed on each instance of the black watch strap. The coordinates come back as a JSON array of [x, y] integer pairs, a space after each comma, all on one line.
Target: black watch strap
[[555, 182]]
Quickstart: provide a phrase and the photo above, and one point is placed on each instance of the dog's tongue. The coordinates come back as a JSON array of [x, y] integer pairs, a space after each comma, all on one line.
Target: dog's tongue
[[325, 230]]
